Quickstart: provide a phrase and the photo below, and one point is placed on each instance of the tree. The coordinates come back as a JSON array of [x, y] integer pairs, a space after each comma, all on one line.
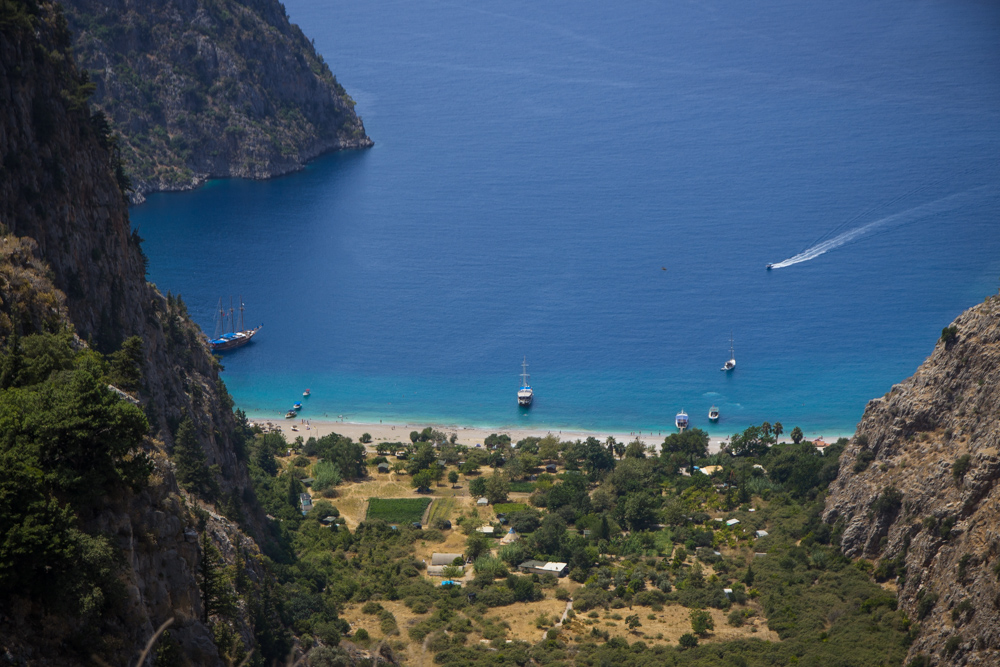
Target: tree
[[214, 585], [640, 511], [414, 436], [635, 450], [778, 430], [477, 487], [453, 478], [423, 457], [687, 640], [633, 622], [189, 462], [610, 444], [751, 442], [365, 438], [497, 488], [325, 475], [797, 435], [423, 479], [701, 622], [476, 545], [692, 444], [126, 365]]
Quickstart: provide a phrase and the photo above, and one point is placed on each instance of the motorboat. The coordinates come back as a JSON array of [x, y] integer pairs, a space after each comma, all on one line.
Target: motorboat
[[713, 414], [681, 420]]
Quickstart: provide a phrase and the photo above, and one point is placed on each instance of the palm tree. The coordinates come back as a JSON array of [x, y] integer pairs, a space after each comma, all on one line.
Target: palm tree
[[778, 430], [620, 449], [765, 430], [611, 442]]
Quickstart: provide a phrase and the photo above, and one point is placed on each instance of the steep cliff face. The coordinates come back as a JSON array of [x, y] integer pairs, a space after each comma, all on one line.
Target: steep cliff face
[[67, 255], [918, 490], [210, 88]]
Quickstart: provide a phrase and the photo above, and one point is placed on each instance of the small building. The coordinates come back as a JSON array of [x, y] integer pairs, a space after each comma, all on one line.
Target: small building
[[445, 559], [709, 470], [307, 481], [761, 533], [542, 567], [732, 522], [445, 524], [550, 468], [383, 467], [728, 592], [305, 500], [486, 530], [329, 522], [482, 502]]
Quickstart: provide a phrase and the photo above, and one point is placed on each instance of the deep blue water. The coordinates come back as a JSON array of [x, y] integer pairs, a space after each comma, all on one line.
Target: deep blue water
[[598, 186]]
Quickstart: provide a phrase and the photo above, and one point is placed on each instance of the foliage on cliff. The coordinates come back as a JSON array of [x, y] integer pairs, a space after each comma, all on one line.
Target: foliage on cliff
[[210, 88], [84, 540], [918, 493]]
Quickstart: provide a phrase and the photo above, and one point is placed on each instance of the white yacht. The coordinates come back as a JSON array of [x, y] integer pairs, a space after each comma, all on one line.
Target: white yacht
[[713, 414], [731, 364], [681, 420], [525, 395]]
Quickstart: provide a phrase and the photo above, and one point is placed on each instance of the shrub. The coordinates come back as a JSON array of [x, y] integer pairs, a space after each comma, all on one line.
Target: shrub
[[952, 644], [687, 640], [371, 607], [735, 618], [888, 502], [701, 621], [949, 335], [360, 635], [865, 457], [961, 466]]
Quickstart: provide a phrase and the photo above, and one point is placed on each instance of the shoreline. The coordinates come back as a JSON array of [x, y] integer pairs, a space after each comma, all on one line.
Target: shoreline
[[473, 435]]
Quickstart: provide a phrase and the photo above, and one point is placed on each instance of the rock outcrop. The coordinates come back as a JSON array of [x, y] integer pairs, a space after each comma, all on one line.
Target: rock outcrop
[[210, 88], [68, 256], [918, 491]]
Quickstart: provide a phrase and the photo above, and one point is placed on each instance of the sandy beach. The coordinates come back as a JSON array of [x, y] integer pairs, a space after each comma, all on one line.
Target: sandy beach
[[471, 435]]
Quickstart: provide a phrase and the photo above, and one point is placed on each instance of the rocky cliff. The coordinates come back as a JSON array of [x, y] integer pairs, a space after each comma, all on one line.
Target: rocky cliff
[[918, 493], [69, 258], [210, 88]]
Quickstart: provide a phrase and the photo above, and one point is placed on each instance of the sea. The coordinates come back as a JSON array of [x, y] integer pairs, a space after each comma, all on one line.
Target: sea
[[596, 188]]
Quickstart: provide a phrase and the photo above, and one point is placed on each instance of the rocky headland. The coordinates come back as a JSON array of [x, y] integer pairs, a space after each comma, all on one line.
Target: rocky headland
[[917, 494], [209, 89]]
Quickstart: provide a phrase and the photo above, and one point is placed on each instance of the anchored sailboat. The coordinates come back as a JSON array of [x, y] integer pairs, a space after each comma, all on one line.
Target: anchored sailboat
[[731, 364], [227, 336], [525, 395]]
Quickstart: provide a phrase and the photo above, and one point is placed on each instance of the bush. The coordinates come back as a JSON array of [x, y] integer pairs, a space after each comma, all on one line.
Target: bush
[[865, 457], [371, 607], [961, 466], [687, 640], [949, 335], [701, 621], [735, 618], [360, 635]]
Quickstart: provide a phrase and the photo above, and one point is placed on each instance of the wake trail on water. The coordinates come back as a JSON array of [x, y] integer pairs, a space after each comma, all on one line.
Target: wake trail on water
[[930, 208]]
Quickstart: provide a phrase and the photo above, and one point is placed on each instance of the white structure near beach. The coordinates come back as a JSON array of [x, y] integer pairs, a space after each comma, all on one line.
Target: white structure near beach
[[543, 567], [439, 561]]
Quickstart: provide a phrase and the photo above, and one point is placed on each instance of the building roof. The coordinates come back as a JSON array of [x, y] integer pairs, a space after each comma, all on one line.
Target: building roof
[[444, 559], [732, 522], [482, 501], [542, 565], [761, 533], [486, 530]]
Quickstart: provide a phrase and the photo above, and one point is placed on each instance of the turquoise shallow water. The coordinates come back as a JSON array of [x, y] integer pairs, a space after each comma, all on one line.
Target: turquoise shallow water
[[599, 187]]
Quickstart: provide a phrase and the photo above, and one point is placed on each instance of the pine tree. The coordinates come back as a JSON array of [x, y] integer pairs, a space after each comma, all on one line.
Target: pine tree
[[213, 582], [189, 461]]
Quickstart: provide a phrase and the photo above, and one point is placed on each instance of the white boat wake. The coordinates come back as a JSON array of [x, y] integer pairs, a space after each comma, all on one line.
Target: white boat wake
[[938, 206]]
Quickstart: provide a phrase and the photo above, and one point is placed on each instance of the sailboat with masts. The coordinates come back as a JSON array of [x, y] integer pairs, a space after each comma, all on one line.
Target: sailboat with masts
[[525, 395], [731, 364], [227, 336]]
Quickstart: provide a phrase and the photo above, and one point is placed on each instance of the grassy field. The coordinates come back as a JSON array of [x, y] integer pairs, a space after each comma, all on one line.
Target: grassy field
[[522, 487], [507, 508], [397, 510], [441, 509]]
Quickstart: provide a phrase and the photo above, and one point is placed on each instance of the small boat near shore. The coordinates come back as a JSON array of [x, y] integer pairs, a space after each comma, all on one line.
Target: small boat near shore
[[297, 407], [307, 393], [731, 364], [681, 420], [525, 395], [713, 414], [291, 414]]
